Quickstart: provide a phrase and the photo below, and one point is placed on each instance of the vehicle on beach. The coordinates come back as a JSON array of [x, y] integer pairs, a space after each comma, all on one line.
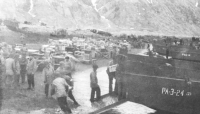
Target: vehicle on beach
[[60, 33], [59, 57]]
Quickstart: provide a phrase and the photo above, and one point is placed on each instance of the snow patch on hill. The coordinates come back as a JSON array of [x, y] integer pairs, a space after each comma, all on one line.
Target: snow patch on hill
[[102, 17], [31, 8]]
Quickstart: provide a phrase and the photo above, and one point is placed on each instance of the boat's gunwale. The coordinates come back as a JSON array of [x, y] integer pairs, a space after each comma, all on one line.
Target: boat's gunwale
[[128, 73]]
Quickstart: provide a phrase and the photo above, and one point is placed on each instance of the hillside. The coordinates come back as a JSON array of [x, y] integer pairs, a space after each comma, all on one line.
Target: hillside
[[59, 13], [169, 17], [177, 17]]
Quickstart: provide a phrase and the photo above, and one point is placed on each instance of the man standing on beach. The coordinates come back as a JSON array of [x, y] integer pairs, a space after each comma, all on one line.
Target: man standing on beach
[[119, 77], [31, 69], [68, 66], [23, 64], [10, 70], [17, 70], [48, 74], [111, 76], [94, 84]]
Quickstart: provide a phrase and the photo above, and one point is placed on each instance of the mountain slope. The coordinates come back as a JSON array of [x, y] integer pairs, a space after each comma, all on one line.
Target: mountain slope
[[169, 17], [60, 13], [161, 16]]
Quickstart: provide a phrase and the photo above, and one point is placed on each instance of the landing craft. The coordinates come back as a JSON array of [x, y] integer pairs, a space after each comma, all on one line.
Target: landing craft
[[181, 49], [171, 85], [153, 83]]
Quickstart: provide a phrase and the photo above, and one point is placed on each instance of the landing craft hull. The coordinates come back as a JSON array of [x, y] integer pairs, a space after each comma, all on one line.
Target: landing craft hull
[[192, 65], [159, 49], [173, 88], [179, 52], [185, 55], [170, 94]]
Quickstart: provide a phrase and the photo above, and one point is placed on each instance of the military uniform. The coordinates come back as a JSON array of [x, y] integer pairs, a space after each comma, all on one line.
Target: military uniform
[[111, 76], [119, 77]]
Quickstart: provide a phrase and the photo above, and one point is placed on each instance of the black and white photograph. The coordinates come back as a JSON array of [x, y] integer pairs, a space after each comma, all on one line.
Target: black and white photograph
[[99, 56]]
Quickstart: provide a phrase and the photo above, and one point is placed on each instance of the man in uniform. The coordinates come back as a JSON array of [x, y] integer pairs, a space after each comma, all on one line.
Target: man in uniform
[[68, 66], [114, 54], [111, 76], [70, 82], [23, 64], [48, 74], [59, 87], [24, 49], [31, 70], [119, 77], [61, 71], [10, 70], [94, 84]]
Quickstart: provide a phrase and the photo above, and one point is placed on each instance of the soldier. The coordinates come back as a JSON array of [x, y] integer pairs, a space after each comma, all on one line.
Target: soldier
[[24, 48], [59, 87], [111, 76], [31, 70], [61, 71], [23, 64], [68, 66], [70, 82], [94, 84], [119, 77], [10, 70], [17, 70], [114, 54], [48, 74]]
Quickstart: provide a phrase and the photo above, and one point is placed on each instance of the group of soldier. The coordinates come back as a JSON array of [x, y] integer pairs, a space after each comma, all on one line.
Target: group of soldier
[[59, 83], [118, 60], [65, 80], [17, 66]]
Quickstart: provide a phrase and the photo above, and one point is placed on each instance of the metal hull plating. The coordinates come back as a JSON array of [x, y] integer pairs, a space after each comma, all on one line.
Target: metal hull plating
[[179, 52], [174, 88], [170, 94]]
